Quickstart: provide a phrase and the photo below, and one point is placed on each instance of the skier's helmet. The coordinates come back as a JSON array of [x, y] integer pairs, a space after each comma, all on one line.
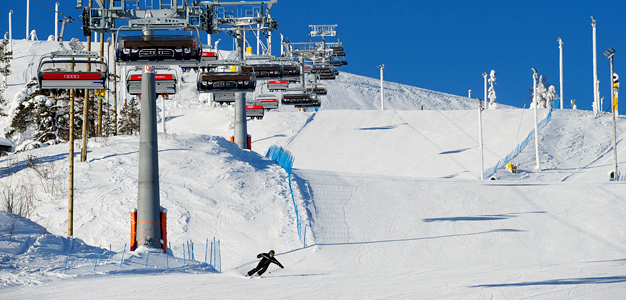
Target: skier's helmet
[[271, 252]]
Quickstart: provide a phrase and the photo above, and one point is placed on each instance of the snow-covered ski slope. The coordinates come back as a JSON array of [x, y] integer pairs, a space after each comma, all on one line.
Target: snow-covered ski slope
[[391, 201]]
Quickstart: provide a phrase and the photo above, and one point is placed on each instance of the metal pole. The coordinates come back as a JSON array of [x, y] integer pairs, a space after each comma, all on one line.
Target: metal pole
[[485, 77], [163, 113], [381, 67], [27, 17], [258, 39], [561, 68], [83, 150], [469, 94], [112, 59], [241, 130], [99, 133], [56, 21], [148, 201], [596, 107], [282, 47], [10, 31], [613, 104], [269, 43], [480, 138], [537, 167], [70, 206]]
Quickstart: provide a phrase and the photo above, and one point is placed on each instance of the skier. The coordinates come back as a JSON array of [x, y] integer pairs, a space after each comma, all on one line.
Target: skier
[[266, 259]]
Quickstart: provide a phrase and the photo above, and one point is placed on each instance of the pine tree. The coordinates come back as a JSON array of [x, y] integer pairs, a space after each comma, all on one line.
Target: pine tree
[[129, 118], [5, 69]]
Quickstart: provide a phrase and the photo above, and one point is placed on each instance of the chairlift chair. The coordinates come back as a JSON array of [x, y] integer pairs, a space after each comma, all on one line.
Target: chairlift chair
[[165, 83], [318, 89], [164, 49], [61, 72], [264, 71], [321, 70], [239, 82], [296, 98], [291, 73], [277, 85], [268, 101], [254, 110], [315, 102], [326, 77], [223, 97]]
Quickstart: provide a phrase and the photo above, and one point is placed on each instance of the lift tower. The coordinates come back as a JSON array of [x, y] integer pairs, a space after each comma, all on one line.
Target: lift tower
[[115, 16], [234, 19]]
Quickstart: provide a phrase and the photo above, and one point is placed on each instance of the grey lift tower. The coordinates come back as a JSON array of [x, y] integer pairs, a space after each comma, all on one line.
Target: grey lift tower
[[160, 15], [234, 19]]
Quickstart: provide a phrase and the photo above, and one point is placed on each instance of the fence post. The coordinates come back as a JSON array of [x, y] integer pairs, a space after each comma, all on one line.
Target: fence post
[[218, 253], [97, 256], [123, 252], [206, 250], [67, 257], [148, 257]]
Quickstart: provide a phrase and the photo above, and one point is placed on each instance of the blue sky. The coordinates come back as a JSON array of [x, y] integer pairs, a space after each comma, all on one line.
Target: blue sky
[[439, 45]]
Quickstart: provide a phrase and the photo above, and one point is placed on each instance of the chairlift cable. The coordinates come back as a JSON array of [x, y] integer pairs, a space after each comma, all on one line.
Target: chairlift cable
[[520, 125], [52, 9]]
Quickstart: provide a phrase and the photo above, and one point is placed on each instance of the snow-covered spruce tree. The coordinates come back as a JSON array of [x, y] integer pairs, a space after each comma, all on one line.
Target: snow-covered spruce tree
[[129, 118], [545, 96], [491, 91], [45, 119], [5, 70]]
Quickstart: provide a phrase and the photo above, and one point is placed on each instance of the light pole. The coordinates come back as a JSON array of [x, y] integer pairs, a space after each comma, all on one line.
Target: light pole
[[217, 53], [537, 167], [381, 67], [27, 17], [480, 138], [596, 101], [10, 32], [609, 53], [561, 68], [485, 76], [56, 21]]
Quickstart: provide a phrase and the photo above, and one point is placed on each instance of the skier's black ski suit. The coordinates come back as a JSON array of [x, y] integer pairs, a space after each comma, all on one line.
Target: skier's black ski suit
[[266, 259]]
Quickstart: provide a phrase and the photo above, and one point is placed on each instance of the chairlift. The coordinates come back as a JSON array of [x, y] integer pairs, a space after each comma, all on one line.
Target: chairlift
[[254, 110], [315, 102], [268, 101], [277, 85], [223, 97], [164, 49], [71, 72], [338, 54], [318, 89], [264, 71], [239, 82], [165, 83], [326, 77], [337, 48], [321, 70], [207, 56], [291, 73], [298, 98]]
